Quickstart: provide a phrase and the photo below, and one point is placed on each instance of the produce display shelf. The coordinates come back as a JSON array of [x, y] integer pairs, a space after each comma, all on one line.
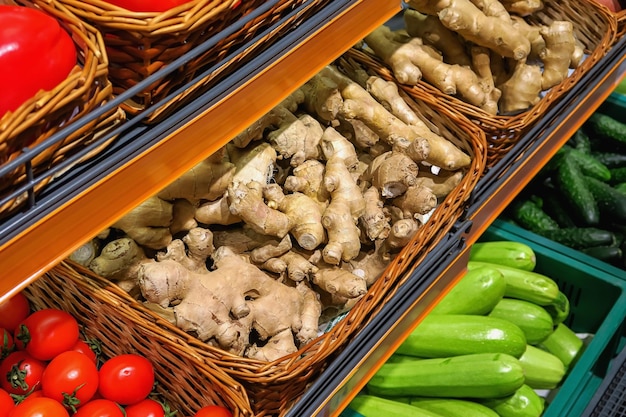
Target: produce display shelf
[[513, 172], [351, 370], [88, 198]]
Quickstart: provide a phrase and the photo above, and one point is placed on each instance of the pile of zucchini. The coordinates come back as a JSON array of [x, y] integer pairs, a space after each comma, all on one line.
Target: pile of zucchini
[[579, 197], [485, 349]]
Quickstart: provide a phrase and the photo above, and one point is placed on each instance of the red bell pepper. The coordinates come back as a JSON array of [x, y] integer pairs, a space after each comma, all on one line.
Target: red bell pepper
[[36, 53]]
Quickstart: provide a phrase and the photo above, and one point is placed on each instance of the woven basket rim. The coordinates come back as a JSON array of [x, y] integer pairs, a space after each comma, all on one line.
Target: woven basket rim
[[178, 19]]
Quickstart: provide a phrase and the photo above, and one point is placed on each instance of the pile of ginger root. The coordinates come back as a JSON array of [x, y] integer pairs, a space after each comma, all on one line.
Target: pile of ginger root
[[488, 53], [255, 248]]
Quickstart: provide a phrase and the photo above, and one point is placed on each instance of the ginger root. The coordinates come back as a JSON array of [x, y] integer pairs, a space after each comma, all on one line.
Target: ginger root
[[148, 224], [463, 17], [230, 302], [557, 55]]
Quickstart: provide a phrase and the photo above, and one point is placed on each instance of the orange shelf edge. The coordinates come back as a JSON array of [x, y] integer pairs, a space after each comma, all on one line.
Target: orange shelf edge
[[37, 249]]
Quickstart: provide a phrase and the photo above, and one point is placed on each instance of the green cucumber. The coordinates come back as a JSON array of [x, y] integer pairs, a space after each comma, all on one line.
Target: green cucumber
[[440, 336], [618, 174], [480, 375], [476, 292], [580, 237], [621, 187], [555, 208], [608, 126], [534, 321], [580, 141], [542, 369], [564, 344], [572, 186], [611, 254], [452, 407], [589, 165], [611, 159], [611, 202], [525, 402], [530, 216], [505, 252], [525, 285], [373, 406]]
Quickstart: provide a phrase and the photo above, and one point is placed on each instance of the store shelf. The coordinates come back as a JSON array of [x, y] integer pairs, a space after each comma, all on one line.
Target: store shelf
[[351, 370], [147, 159]]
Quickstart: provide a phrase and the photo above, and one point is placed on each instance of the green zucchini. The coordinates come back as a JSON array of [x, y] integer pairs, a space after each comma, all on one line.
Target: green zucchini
[[542, 369], [534, 321], [373, 406], [571, 185], [530, 216], [477, 292], [480, 375], [453, 407], [611, 202], [525, 285], [608, 126], [564, 344], [559, 309], [440, 336], [580, 237], [525, 402], [399, 358], [505, 252]]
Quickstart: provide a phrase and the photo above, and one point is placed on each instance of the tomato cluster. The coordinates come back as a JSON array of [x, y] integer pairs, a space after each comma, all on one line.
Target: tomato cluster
[[48, 370]]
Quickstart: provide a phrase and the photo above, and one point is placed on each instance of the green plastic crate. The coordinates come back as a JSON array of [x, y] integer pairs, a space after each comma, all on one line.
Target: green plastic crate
[[597, 295]]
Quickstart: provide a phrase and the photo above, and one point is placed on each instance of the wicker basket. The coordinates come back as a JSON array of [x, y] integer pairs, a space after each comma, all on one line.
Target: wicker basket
[[185, 381], [595, 27], [141, 43], [273, 387], [85, 89]]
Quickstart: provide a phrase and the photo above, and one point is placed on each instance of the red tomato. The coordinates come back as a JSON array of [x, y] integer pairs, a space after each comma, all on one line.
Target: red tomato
[[39, 407], [14, 310], [70, 378], [6, 403], [20, 373], [126, 379], [100, 408], [213, 411], [145, 408], [6, 343], [84, 348], [46, 333]]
